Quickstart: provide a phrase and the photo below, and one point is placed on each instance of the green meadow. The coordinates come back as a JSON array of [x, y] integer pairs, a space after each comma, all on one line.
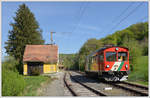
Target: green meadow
[[140, 71]]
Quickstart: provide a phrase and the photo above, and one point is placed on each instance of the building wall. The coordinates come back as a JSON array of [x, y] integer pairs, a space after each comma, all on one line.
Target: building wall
[[47, 68], [25, 69]]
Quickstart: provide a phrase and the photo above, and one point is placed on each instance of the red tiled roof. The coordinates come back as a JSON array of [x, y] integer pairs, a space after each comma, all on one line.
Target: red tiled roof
[[41, 53]]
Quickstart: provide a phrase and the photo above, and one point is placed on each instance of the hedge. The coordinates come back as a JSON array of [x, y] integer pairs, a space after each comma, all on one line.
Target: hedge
[[13, 84]]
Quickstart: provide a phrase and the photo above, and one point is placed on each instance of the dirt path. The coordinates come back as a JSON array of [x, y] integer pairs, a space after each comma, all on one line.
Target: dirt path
[[54, 88]]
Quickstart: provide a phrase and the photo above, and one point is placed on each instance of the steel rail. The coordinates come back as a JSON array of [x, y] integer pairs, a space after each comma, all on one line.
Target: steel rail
[[69, 88], [89, 88], [129, 89], [136, 85]]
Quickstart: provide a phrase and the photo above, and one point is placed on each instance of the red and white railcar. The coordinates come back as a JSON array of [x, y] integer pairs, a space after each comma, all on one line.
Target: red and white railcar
[[110, 63]]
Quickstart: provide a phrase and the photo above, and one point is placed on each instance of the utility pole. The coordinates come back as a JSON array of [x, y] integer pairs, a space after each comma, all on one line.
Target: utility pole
[[79, 67], [52, 37]]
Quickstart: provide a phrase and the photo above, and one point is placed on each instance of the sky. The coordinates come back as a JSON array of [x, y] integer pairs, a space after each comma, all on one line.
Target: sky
[[76, 22]]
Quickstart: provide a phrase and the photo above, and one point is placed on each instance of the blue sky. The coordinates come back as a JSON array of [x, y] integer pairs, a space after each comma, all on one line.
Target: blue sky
[[75, 22]]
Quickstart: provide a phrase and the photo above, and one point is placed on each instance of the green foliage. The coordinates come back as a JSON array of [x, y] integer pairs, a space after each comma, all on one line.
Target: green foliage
[[25, 30], [10, 63], [140, 74], [110, 39], [135, 51], [140, 30], [69, 61], [144, 45], [90, 46], [12, 83]]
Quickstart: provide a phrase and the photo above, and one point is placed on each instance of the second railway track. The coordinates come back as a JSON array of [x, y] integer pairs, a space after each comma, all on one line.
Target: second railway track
[[140, 90], [118, 89]]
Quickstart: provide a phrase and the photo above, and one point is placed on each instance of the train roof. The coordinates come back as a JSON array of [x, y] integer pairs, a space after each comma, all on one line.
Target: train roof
[[104, 49]]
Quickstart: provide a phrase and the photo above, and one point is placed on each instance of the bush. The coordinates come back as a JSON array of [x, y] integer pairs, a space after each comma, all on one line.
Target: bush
[[141, 70], [12, 83], [35, 71], [10, 63]]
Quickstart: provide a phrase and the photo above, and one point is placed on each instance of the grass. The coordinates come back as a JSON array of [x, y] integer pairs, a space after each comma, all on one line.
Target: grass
[[140, 72], [33, 83]]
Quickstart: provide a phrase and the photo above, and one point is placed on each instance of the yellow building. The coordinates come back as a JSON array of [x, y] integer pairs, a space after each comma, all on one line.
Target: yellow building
[[43, 57]]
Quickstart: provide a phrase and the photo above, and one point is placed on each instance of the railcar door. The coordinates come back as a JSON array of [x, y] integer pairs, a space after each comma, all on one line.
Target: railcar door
[[101, 62]]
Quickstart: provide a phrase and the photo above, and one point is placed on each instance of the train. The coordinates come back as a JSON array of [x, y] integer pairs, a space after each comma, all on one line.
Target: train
[[110, 63]]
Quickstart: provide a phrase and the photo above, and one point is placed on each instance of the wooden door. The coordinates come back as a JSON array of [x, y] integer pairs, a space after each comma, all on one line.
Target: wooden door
[[32, 65]]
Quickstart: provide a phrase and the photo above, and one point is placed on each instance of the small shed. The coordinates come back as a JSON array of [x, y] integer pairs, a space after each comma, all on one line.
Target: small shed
[[43, 57]]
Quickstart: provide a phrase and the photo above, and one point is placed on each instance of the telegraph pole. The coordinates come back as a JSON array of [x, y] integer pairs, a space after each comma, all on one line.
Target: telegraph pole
[[79, 67], [52, 37]]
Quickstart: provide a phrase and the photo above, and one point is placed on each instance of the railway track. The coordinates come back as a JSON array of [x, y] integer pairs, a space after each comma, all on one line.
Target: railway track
[[136, 85], [137, 89], [79, 89], [134, 89], [68, 86]]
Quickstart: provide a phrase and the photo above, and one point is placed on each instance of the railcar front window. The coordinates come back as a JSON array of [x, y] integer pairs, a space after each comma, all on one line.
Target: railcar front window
[[101, 57], [111, 56], [122, 56]]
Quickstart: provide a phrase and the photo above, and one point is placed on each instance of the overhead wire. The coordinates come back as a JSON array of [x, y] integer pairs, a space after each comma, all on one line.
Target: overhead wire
[[81, 15], [143, 18], [80, 9], [130, 13], [83, 8], [124, 11]]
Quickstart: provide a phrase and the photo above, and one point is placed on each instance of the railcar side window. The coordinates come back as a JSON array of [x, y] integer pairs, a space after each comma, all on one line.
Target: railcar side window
[[94, 59], [101, 57], [111, 56], [122, 56]]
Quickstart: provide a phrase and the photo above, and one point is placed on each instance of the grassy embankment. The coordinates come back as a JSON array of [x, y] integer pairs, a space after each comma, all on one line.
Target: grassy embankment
[[15, 84], [33, 83], [140, 72]]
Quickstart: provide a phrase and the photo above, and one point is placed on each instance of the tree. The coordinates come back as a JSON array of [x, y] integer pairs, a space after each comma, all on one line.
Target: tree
[[25, 30], [110, 39], [135, 50], [140, 30], [90, 46]]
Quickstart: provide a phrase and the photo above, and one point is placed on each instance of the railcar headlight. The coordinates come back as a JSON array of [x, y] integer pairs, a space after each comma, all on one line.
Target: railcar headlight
[[126, 66], [107, 66]]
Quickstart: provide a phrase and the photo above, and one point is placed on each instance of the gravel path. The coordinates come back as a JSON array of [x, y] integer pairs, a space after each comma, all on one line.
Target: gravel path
[[55, 87]]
